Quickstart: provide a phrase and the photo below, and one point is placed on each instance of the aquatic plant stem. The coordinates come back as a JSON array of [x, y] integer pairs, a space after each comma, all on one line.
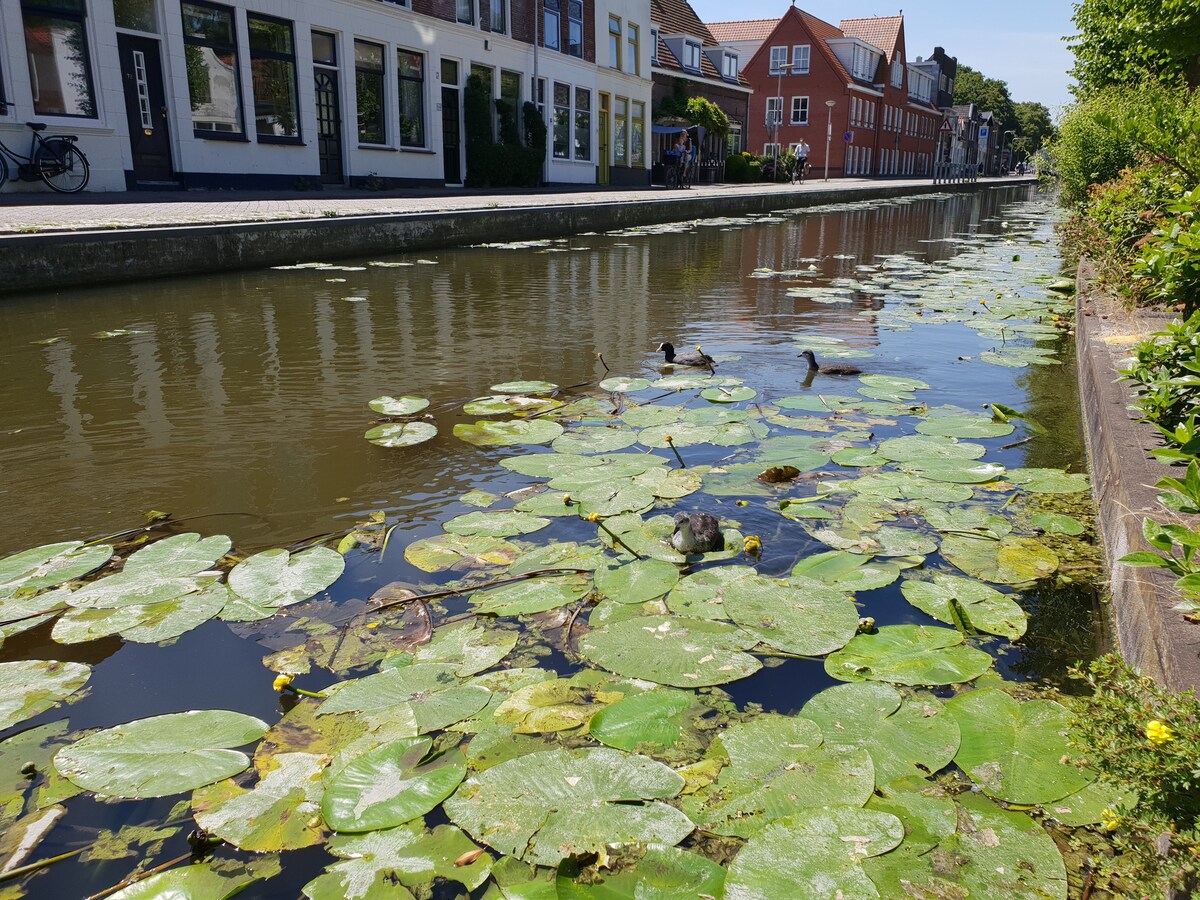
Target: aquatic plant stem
[[140, 876], [616, 538], [22, 871], [453, 592], [671, 444]]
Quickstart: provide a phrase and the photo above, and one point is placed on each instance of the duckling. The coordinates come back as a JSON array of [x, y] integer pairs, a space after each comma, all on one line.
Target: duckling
[[697, 359], [697, 533], [831, 369]]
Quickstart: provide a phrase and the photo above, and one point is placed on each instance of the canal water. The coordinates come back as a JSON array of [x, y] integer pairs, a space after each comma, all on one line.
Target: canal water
[[237, 404]]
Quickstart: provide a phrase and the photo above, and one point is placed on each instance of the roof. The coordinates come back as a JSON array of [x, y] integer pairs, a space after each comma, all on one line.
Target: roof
[[745, 30], [879, 31], [678, 17]]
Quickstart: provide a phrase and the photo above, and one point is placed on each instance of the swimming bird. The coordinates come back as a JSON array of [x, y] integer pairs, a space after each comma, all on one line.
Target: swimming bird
[[831, 368], [697, 533], [697, 359]]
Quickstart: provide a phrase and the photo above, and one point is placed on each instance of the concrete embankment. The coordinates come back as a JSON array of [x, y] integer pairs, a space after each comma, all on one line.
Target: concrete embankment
[[1150, 634], [38, 259]]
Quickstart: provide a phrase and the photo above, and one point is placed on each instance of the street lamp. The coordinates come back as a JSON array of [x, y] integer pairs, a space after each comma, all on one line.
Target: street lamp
[[829, 105], [776, 121], [1003, 138]]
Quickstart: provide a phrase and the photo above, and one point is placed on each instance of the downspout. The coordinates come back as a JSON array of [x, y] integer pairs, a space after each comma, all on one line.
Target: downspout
[[537, 39]]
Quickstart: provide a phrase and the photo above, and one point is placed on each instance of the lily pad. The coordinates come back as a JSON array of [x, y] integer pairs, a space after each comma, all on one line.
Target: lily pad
[[1054, 523], [524, 387], [486, 432], [431, 690], [701, 595], [213, 880], [398, 406], [859, 457], [955, 471], [557, 704], [801, 616], [908, 654], [646, 722], [964, 427], [624, 385], [179, 555], [636, 581], [952, 600], [143, 623], [279, 578], [501, 523], [29, 687], [595, 440], [1048, 481], [51, 565], [401, 434], [919, 448], [451, 551], [546, 806], [507, 404], [162, 755], [468, 646], [675, 651], [728, 395], [279, 813], [532, 596], [391, 785], [1018, 561]]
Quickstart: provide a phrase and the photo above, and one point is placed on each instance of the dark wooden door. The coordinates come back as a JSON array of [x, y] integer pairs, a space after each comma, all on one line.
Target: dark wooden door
[[451, 142], [329, 127], [146, 109]]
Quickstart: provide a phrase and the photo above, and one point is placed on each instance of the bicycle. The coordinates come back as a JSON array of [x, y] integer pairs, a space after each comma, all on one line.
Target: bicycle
[[56, 160]]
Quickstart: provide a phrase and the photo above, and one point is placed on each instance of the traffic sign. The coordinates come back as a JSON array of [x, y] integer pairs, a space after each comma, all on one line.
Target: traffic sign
[[983, 132], [945, 126]]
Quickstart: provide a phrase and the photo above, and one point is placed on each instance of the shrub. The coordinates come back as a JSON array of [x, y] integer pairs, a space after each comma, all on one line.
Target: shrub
[[507, 163], [1088, 150], [1168, 268], [737, 168]]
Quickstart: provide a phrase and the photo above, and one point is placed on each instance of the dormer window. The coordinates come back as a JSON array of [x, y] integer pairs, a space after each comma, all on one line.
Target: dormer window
[[897, 73], [730, 69], [691, 56], [654, 46]]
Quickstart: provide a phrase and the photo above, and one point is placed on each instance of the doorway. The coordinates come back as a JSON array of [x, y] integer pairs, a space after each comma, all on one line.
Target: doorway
[[146, 110], [451, 129], [602, 138], [329, 108]]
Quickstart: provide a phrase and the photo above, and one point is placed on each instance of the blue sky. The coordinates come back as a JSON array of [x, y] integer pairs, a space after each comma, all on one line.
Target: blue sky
[[1019, 42]]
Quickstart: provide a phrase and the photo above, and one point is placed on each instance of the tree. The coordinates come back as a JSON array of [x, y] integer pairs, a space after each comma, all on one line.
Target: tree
[[988, 95], [1126, 42], [1033, 126]]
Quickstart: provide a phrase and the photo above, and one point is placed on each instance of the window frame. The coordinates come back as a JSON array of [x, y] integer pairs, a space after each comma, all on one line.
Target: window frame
[[574, 28], [616, 35], [498, 13], [73, 12], [381, 74], [211, 134], [262, 138], [552, 11], [796, 48], [633, 49], [620, 131], [653, 46], [691, 50], [807, 107], [637, 134], [775, 103], [582, 117], [729, 61], [779, 58], [401, 79], [563, 121], [471, 10]]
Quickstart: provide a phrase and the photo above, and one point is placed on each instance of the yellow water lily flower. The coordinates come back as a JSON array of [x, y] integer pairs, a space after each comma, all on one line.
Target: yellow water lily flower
[[1158, 733], [283, 682], [1109, 820], [752, 544], [566, 499], [593, 517], [668, 438]]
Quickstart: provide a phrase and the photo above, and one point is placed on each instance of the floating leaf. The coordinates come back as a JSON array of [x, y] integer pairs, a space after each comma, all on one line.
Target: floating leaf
[[674, 651], [951, 599], [448, 551], [143, 623], [486, 432], [661, 873], [178, 555], [51, 565], [636, 581], [645, 722], [728, 395], [25, 612], [903, 737], [701, 595], [859, 457], [501, 523], [545, 806], [595, 440], [893, 383], [398, 406], [624, 385], [215, 880], [965, 427], [532, 596], [908, 654], [279, 578], [1012, 560], [558, 704], [954, 471], [801, 616], [439, 699], [401, 434], [162, 755], [507, 404], [611, 499], [920, 448], [977, 519], [524, 387], [29, 687], [903, 486], [391, 785], [1048, 481], [468, 646], [1015, 750], [1054, 523]]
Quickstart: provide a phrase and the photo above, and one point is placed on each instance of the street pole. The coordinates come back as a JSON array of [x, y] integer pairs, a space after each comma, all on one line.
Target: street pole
[[777, 120], [829, 105], [1003, 138]]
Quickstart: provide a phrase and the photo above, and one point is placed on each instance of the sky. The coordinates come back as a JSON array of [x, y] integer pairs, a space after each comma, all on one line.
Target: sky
[[1018, 42]]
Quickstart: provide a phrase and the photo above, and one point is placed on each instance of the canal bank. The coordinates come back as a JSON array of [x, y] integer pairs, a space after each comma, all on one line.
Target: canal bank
[[61, 245], [1151, 635]]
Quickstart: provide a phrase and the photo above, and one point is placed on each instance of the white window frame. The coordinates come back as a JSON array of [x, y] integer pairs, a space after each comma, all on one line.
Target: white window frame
[[653, 46], [774, 111], [691, 56], [771, 150], [803, 103], [731, 66], [799, 52], [897, 72], [779, 57]]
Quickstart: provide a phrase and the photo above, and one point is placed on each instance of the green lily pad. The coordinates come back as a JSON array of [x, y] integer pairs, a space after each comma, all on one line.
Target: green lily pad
[[213, 880], [1087, 805], [814, 854], [920, 448], [951, 599], [685, 434], [548, 465], [546, 806], [507, 405], [560, 554], [379, 864], [648, 873], [675, 651], [595, 440], [51, 565], [162, 755], [468, 646], [859, 457], [636, 581], [954, 471], [398, 406], [908, 654], [133, 588], [979, 520], [1048, 481], [671, 484], [1018, 561], [802, 615], [487, 432], [904, 486], [728, 395], [25, 612], [893, 383], [501, 523], [557, 704], [1014, 750], [142, 623], [701, 595], [453, 551], [964, 427], [524, 387], [179, 555], [533, 596], [391, 785], [1054, 523], [279, 813], [649, 416], [624, 385], [904, 737], [401, 434], [431, 690], [29, 687], [612, 499], [279, 578], [480, 499], [646, 722]]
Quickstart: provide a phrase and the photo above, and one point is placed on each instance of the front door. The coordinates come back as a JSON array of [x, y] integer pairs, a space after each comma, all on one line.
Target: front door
[[146, 108], [329, 126], [603, 157], [450, 135]]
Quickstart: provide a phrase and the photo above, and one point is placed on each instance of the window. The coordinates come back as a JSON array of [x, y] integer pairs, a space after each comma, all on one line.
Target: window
[[778, 59], [632, 50], [583, 123], [897, 72], [614, 42], [691, 56], [464, 11], [368, 86], [800, 59], [734, 140], [56, 46], [410, 70], [273, 74], [799, 110], [499, 20], [653, 46], [575, 28], [562, 120], [550, 23], [510, 90], [854, 111], [136, 15], [637, 134], [210, 55], [771, 150], [730, 67], [774, 111], [620, 131]]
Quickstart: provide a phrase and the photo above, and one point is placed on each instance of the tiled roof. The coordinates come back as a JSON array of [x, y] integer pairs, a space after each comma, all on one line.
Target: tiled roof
[[746, 30], [879, 31], [822, 31], [678, 17]]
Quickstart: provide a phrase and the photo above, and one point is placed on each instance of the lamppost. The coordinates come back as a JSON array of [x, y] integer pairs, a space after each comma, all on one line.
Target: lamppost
[[1003, 138], [776, 122], [829, 105]]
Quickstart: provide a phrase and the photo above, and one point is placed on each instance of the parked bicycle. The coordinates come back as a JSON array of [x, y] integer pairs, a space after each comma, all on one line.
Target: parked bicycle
[[55, 159], [678, 172]]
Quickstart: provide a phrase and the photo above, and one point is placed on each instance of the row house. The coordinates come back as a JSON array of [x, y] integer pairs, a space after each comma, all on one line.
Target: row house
[[689, 61], [846, 90], [281, 94]]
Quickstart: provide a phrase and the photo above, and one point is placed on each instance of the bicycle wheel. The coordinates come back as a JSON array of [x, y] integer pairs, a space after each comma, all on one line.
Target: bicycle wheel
[[62, 165], [672, 178], [3, 170]]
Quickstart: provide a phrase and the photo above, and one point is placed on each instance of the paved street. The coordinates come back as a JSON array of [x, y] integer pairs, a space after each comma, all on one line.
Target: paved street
[[39, 211]]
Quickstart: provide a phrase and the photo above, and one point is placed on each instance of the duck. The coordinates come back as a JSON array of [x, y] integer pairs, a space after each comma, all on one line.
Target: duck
[[697, 533], [697, 359], [830, 369]]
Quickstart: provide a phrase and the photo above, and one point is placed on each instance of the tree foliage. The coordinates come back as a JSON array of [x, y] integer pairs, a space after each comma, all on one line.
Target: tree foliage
[[1126, 42], [1033, 126], [988, 95]]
